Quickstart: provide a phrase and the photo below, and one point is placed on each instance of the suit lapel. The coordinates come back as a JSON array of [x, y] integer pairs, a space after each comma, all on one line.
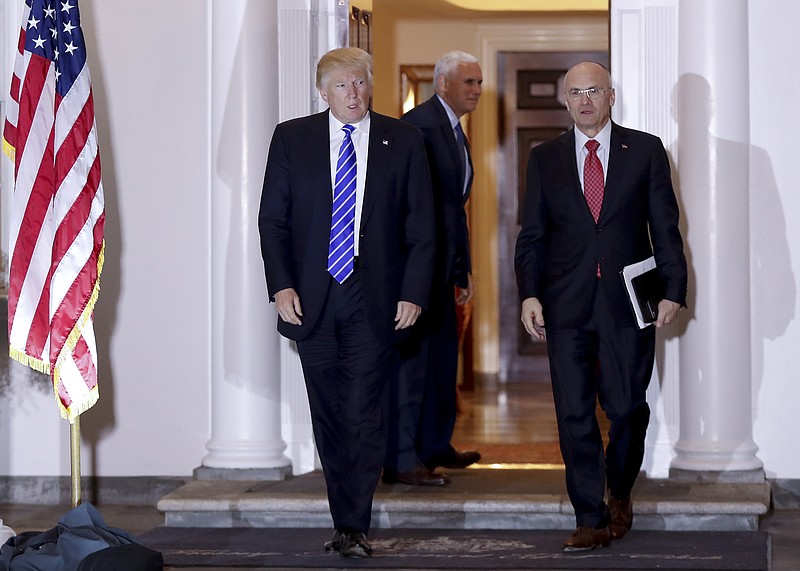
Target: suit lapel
[[319, 153], [569, 164], [617, 156], [446, 132], [378, 155]]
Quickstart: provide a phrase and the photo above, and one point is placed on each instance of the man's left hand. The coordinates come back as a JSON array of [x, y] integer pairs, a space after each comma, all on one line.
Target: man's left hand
[[407, 314], [464, 296], [667, 312]]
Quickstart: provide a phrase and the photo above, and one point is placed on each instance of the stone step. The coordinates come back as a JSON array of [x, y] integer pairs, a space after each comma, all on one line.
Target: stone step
[[475, 499]]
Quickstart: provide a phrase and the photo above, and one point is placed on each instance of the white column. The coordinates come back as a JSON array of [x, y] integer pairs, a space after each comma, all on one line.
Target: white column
[[644, 69], [246, 384], [713, 121], [307, 29]]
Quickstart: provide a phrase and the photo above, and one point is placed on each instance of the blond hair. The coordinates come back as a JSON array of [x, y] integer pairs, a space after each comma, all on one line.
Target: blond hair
[[351, 59]]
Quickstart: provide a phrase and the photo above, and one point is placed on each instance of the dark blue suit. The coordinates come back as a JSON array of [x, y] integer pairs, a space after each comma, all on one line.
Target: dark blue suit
[[348, 329], [594, 346], [424, 395]]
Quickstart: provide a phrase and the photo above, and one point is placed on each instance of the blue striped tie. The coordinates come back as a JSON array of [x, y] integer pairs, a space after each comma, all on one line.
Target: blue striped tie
[[341, 251]]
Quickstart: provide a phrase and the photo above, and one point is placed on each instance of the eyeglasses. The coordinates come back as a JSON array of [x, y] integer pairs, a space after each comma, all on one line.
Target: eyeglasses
[[592, 93]]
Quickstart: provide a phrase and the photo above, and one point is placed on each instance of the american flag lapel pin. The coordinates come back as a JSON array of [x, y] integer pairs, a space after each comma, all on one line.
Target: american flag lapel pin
[[386, 142]]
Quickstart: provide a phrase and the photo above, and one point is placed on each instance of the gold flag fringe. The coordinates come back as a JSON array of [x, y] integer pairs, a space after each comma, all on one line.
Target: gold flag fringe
[[28, 361], [9, 150], [75, 411]]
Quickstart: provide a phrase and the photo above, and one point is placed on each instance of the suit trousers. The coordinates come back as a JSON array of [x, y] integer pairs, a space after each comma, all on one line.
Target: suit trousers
[[423, 392], [345, 368], [612, 365]]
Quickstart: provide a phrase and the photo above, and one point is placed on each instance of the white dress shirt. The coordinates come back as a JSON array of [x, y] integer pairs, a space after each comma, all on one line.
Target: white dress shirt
[[360, 137]]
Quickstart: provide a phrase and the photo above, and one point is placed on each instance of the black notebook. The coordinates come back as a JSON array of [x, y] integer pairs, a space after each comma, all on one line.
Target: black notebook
[[643, 285]]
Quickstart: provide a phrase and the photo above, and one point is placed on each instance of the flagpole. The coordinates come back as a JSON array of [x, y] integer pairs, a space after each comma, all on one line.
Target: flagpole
[[75, 457]]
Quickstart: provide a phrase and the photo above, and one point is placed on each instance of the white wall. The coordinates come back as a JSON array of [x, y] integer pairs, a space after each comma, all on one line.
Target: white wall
[[775, 234]]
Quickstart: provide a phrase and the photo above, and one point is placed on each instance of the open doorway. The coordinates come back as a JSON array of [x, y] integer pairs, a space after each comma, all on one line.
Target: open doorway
[[511, 418], [531, 111]]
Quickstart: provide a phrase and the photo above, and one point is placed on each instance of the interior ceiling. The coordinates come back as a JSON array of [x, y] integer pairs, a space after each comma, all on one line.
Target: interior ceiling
[[482, 8]]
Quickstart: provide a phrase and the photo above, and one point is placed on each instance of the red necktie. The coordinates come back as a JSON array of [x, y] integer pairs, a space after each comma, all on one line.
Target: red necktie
[[593, 179], [593, 184]]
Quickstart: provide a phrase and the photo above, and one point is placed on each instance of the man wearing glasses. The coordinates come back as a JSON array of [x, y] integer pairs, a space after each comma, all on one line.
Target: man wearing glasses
[[598, 198]]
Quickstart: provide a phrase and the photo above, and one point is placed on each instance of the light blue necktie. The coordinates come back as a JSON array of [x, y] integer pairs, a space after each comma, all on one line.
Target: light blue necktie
[[341, 251]]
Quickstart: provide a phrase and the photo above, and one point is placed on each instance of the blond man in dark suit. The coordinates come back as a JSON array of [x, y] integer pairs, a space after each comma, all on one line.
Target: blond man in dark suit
[[347, 282]]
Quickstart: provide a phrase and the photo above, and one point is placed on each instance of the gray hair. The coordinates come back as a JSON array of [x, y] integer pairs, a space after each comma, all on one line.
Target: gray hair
[[449, 62]]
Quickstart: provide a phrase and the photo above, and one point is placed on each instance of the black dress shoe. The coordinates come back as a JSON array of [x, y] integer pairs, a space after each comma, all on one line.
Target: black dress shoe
[[419, 477], [334, 543], [454, 460], [354, 545]]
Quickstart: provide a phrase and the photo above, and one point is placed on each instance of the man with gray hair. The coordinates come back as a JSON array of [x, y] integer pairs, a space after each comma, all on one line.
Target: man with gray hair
[[423, 396]]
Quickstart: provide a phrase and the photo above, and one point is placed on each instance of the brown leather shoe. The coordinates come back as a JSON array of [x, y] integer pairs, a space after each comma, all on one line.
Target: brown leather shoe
[[585, 538], [621, 516], [419, 477]]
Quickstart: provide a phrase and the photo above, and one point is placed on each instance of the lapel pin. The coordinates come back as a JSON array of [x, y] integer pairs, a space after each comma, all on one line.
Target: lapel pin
[[624, 146], [386, 141]]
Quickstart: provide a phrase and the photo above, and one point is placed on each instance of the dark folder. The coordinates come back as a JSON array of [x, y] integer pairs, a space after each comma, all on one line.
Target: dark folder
[[643, 285]]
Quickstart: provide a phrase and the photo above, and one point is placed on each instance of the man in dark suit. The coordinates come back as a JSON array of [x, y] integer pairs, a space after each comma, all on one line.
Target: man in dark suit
[[344, 295], [598, 198], [423, 403]]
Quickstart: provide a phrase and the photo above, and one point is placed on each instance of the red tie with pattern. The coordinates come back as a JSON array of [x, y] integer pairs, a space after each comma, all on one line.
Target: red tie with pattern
[[593, 179], [593, 184]]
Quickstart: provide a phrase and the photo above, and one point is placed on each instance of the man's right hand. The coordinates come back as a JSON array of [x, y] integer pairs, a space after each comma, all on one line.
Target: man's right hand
[[287, 303], [533, 318]]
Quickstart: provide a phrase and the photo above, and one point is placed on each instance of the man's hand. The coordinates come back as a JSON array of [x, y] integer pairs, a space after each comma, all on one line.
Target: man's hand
[[407, 314], [667, 312], [533, 318], [287, 303], [464, 296]]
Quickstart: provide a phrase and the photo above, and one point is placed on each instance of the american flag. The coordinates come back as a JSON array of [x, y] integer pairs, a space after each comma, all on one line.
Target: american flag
[[57, 210]]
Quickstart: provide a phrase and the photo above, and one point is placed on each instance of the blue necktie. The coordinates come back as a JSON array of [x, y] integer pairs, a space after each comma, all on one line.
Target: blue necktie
[[462, 150], [341, 251]]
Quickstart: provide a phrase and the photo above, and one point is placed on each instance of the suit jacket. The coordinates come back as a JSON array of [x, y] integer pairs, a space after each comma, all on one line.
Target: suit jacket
[[453, 263], [396, 244], [560, 245]]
